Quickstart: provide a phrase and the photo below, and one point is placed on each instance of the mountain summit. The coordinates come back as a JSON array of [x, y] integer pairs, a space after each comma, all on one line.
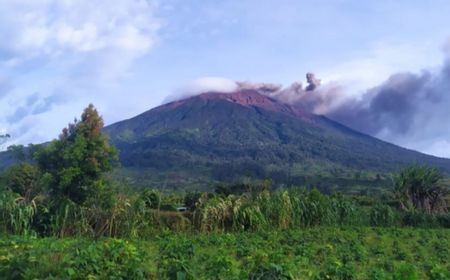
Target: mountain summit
[[224, 136], [246, 97]]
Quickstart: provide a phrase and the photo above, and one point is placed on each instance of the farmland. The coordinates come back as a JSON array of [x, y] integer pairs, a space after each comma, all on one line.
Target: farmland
[[315, 253]]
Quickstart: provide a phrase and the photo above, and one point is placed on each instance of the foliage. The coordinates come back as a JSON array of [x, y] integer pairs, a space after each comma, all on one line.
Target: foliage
[[76, 162], [151, 198], [382, 215], [191, 199], [419, 188], [133, 215], [25, 179], [313, 253], [16, 213], [18, 152], [281, 210]]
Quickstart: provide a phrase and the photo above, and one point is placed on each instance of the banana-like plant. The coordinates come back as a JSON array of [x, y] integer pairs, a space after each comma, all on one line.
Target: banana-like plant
[[420, 188]]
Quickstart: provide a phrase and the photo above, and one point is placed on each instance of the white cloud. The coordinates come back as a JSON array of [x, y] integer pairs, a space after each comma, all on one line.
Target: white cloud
[[37, 28], [202, 85], [73, 51], [439, 147]]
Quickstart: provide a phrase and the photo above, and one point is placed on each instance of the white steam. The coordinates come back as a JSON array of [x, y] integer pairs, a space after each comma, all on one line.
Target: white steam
[[202, 85]]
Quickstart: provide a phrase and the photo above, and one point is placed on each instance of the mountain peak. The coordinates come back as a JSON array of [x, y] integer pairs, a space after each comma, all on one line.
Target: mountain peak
[[217, 136], [245, 97]]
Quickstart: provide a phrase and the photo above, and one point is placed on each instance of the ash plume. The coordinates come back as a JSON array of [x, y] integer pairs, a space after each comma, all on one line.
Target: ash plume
[[263, 88], [409, 109], [295, 94], [312, 81], [393, 106]]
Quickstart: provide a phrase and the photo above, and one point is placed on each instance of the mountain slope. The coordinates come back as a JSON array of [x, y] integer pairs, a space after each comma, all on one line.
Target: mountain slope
[[222, 137]]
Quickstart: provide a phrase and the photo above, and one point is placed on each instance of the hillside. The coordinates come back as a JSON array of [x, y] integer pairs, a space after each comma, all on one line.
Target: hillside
[[216, 137]]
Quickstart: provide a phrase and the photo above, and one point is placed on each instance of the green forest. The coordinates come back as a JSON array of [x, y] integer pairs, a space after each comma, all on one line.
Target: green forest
[[63, 217]]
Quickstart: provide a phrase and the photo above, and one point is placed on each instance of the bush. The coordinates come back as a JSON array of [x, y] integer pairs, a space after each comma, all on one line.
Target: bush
[[151, 198], [25, 179], [443, 220], [418, 219], [382, 215]]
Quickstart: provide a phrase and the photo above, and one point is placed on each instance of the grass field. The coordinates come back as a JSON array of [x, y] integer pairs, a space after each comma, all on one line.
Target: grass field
[[316, 253]]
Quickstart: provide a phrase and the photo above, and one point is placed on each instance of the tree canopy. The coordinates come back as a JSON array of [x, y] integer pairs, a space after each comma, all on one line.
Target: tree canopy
[[76, 161]]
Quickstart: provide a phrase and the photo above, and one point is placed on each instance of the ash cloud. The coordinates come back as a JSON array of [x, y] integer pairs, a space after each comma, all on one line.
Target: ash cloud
[[314, 97], [408, 109], [312, 81], [393, 107]]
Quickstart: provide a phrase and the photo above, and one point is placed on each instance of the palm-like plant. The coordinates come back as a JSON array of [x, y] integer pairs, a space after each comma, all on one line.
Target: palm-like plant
[[420, 188]]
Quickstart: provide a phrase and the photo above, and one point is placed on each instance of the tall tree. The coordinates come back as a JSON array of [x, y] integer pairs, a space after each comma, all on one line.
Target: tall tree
[[76, 161]]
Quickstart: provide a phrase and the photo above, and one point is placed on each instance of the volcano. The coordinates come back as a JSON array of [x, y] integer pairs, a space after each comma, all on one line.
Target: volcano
[[216, 137]]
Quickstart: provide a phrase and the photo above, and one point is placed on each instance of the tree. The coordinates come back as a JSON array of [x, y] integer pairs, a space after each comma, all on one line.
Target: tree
[[76, 161], [17, 152], [420, 188], [25, 179]]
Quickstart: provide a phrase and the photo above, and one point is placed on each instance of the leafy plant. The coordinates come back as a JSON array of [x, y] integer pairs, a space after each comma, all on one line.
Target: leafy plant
[[420, 188]]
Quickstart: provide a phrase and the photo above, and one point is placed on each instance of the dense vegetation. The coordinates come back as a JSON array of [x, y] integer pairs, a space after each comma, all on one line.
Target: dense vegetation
[[316, 253], [67, 218]]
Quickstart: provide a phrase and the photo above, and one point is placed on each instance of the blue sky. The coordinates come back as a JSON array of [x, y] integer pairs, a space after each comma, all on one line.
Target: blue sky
[[127, 56]]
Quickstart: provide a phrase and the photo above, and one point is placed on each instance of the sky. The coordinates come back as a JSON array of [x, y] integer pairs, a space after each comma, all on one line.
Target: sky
[[127, 56]]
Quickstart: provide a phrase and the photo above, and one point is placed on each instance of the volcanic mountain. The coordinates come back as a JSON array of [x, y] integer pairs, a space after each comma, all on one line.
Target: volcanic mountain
[[216, 137]]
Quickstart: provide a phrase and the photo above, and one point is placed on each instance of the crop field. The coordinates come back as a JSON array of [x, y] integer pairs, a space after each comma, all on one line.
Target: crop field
[[315, 253]]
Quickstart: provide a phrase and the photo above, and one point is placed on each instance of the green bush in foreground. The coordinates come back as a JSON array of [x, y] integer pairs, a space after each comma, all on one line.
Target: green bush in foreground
[[316, 253]]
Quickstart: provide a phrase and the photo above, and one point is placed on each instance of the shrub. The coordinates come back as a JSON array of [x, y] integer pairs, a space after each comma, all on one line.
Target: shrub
[[419, 219], [382, 215], [151, 198]]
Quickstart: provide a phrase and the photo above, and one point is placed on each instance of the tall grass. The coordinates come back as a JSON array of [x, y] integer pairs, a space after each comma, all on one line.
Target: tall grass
[[281, 210], [131, 216], [16, 213]]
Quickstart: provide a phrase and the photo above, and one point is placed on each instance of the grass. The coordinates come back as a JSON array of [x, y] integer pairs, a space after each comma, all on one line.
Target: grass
[[315, 253]]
